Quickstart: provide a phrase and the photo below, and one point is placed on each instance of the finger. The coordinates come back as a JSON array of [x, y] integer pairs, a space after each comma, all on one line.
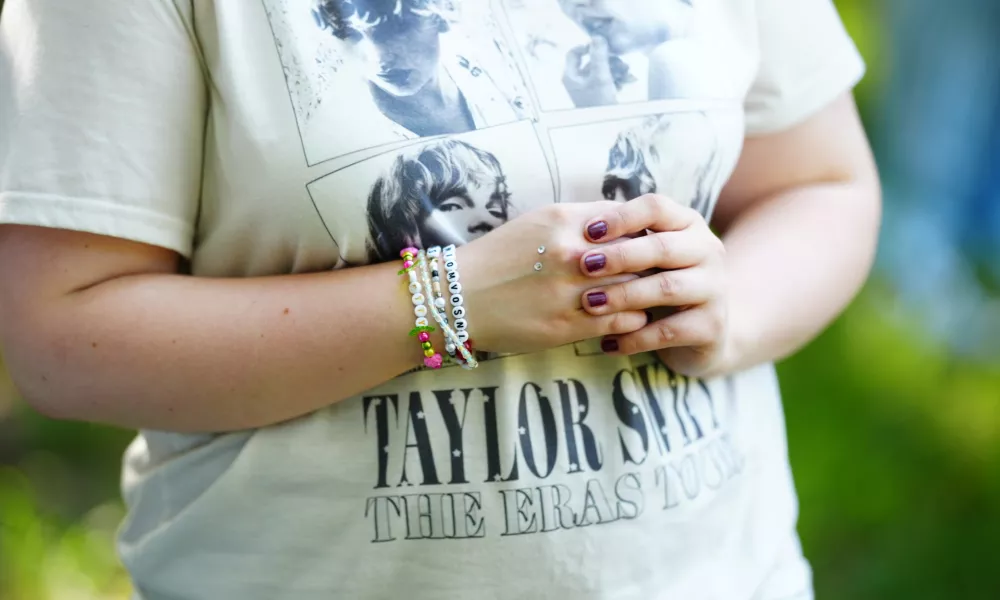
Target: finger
[[686, 287], [697, 327], [600, 58], [587, 284], [650, 211], [668, 250], [617, 324]]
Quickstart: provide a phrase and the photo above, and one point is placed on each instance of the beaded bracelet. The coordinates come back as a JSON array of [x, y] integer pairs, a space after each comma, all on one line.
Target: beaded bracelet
[[468, 361], [422, 329], [457, 302], [439, 301]]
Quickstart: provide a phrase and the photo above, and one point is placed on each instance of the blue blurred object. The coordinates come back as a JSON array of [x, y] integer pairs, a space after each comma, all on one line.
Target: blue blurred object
[[938, 142]]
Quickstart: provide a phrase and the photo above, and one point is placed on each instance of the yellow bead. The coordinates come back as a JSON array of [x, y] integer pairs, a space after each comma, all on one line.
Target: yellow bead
[[429, 352]]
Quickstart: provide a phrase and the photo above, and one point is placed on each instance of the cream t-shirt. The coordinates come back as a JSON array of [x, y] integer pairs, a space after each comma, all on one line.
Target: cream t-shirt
[[259, 137]]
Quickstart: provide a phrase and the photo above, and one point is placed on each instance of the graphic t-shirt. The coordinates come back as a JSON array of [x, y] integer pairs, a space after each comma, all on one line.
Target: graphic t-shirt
[[264, 137]]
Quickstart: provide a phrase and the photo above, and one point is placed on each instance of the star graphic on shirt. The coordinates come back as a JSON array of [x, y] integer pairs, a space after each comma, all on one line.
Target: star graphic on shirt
[[456, 453], [581, 409], [663, 429], [635, 409], [385, 449], [377, 402], [522, 430], [496, 477], [572, 467], [420, 415]]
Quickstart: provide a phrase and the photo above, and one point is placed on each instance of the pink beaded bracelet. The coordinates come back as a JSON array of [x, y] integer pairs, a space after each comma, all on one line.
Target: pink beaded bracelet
[[412, 260]]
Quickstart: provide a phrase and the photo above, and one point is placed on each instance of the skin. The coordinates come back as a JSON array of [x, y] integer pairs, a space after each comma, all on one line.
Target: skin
[[461, 219], [103, 329], [772, 282]]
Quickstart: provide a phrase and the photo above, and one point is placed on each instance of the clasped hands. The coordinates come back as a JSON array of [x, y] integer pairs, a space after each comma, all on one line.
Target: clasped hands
[[681, 264]]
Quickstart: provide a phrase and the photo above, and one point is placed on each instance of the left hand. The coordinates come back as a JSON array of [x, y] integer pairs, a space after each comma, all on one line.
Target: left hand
[[688, 264]]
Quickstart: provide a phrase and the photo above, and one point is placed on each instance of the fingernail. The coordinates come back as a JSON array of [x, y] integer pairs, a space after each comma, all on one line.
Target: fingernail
[[596, 299], [595, 262], [598, 230], [609, 345]]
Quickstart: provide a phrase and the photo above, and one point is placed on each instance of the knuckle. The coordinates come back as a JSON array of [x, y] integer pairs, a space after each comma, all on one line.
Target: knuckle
[[618, 256], [664, 205], [617, 324], [664, 250], [668, 286], [665, 334], [558, 214], [563, 249], [622, 296], [620, 217]]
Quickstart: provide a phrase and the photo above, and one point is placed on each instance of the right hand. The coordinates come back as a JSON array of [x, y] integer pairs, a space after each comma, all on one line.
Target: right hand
[[593, 83], [512, 307]]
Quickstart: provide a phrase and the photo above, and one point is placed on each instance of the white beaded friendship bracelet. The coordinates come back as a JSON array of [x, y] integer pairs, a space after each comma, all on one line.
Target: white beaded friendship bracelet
[[458, 337], [455, 291], [422, 328]]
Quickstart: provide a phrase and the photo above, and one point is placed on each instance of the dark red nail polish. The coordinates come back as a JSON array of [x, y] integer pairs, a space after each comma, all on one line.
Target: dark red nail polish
[[595, 262], [609, 345], [597, 230], [596, 299]]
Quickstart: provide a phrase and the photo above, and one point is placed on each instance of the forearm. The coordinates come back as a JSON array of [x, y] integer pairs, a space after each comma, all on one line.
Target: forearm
[[192, 354], [795, 260]]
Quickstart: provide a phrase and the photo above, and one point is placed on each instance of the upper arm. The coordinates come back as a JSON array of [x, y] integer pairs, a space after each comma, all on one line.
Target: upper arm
[[102, 117], [42, 263], [802, 126], [829, 147]]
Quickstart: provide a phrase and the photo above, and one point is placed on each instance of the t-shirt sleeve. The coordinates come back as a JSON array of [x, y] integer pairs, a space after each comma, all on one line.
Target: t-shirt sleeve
[[102, 118], [807, 59]]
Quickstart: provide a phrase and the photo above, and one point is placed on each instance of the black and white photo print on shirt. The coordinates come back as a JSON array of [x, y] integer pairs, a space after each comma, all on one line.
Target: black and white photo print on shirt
[[587, 53], [448, 190], [366, 73], [686, 156]]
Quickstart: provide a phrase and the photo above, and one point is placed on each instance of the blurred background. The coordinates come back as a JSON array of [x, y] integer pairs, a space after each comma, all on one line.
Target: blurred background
[[893, 414]]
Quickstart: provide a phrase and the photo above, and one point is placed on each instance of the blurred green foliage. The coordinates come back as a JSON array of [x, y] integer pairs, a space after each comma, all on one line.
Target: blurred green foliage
[[895, 446]]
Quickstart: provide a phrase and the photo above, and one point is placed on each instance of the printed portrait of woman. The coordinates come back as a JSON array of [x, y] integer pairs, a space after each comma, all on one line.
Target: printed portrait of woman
[[416, 78], [449, 192], [676, 156]]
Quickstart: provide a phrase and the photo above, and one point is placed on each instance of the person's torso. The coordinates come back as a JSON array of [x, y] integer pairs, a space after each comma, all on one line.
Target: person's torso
[[337, 136]]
